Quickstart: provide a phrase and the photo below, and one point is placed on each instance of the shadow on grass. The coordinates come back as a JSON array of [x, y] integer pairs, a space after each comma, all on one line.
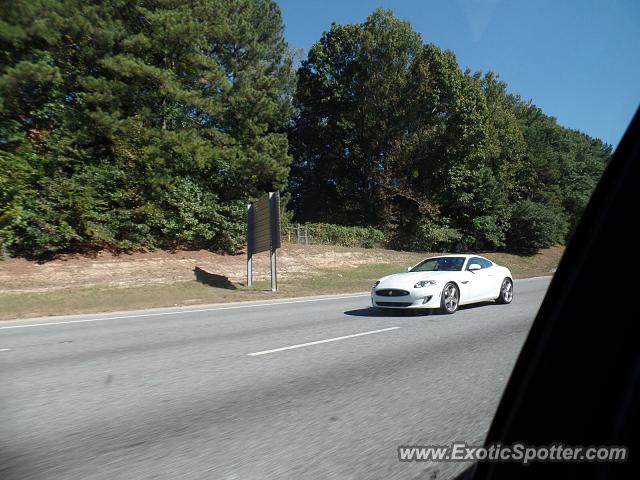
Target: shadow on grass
[[212, 279]]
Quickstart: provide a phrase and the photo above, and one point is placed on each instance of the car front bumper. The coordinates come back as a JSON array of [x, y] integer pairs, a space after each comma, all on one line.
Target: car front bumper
[[417, 298]]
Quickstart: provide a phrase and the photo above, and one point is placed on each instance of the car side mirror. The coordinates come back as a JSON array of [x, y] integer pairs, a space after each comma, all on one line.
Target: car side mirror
[[473, 267]]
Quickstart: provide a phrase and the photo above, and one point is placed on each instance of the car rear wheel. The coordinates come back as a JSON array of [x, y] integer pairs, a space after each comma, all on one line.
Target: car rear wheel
[[506, 291], [450, 298]]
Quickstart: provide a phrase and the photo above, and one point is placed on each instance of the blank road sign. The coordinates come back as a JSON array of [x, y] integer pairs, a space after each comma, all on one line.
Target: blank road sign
[[263, 234], [264, 224], [261, 226]]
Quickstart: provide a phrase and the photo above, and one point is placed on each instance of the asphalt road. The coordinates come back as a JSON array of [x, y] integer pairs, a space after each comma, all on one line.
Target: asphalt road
[[170, 394]]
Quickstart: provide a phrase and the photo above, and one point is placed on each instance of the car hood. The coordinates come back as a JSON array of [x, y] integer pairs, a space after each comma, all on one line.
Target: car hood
[[407, 280]]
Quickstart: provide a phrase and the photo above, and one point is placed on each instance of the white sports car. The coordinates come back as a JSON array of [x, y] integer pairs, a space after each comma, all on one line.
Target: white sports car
[[444, 282]]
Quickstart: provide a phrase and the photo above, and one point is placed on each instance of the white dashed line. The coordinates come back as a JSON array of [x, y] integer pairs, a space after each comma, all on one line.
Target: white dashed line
[[291, 347]]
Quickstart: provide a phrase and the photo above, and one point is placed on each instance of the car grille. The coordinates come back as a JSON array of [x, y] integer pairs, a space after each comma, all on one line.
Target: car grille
[[391, 292], [393, 304]]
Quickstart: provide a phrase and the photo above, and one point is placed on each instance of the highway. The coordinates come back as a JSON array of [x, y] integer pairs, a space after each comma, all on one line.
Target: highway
[[321, 388]]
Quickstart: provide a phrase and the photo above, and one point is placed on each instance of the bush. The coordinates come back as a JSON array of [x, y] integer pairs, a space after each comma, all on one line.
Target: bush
[[330, 234], [431, 237], [489, 231], [193, 217], [94, 210], [535, 225]]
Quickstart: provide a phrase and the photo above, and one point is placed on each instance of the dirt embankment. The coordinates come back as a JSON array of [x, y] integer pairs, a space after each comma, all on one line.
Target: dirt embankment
[[162, 267]]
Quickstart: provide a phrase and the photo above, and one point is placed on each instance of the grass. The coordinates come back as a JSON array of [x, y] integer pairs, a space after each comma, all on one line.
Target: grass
[[320, 281], [93, 300]]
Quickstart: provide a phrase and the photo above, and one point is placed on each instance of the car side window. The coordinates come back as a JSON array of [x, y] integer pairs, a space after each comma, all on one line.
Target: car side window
[[485, 263], [475, 260]]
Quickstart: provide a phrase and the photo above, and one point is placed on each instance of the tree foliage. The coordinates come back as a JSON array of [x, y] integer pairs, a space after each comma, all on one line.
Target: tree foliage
[[150, 123], [391, 133], [135, 123], [329, 234]]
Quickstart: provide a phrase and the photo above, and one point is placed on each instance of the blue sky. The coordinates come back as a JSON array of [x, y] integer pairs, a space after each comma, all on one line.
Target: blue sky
[[578, 60]]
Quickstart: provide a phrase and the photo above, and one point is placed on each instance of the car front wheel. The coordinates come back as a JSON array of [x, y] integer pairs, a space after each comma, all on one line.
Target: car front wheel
[[450, 298]]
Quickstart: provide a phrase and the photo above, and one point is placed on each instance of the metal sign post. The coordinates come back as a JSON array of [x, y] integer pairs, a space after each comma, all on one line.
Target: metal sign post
[[274, 227], [263, 234], [249, 246]]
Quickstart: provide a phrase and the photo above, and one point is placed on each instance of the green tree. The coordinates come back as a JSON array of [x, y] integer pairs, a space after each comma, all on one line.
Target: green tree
[[561, 166], [350, 111], [536, 225], [390, 133], [136, 123]]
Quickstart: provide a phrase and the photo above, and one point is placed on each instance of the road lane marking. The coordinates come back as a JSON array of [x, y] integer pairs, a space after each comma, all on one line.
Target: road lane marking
[[213, 309], [142, 315], [300, 345], [5, 349]]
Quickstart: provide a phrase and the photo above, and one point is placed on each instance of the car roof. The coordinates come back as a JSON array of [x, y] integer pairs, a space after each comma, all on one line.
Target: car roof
[[465, 255]]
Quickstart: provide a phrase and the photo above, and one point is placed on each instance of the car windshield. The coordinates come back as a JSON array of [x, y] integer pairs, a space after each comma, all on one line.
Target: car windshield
[[443, 264]]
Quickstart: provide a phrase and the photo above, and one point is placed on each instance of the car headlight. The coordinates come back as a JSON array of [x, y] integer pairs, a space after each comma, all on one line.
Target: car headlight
[[376, 284], [424, 283]]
